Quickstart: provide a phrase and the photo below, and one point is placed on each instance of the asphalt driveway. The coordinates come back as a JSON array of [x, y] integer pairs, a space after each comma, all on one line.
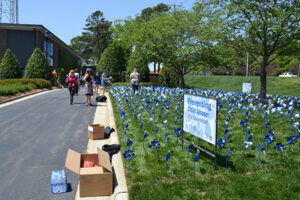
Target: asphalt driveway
[[35, 135]]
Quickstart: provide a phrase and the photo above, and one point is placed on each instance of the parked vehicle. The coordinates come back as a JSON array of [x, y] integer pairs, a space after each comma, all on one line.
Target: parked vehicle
[[287, 74]]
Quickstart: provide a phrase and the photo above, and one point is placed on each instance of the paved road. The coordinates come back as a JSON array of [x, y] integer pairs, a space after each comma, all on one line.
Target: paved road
[[35, 135]]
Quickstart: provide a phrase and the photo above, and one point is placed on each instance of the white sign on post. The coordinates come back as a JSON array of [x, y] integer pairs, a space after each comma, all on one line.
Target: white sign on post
[[200, 117], [247, 87]]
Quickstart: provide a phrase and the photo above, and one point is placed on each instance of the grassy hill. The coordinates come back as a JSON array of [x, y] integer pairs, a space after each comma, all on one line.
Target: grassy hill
[[275, 85]]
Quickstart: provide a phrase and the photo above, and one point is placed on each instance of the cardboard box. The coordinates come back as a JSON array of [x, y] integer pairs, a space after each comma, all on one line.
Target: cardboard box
[[93, 181], [95, 131]]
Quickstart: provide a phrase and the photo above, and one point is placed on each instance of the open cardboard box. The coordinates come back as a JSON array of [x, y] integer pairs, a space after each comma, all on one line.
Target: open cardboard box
[[93, 181], [95, 131]]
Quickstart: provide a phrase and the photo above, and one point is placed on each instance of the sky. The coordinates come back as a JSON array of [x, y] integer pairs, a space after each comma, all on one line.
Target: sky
[[66, 18]]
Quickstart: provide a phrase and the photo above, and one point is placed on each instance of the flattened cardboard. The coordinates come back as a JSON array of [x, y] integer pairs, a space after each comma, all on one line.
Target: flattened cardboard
[[73, 161]]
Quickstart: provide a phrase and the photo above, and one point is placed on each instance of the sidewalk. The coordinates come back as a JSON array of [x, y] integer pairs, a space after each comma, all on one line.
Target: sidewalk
[[104, 115]]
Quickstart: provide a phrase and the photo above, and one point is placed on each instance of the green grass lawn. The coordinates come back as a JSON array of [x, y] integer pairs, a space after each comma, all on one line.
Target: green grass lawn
[[275, 85], [148, 178]]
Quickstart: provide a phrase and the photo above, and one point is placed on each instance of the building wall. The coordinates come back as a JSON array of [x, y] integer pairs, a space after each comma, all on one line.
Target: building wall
[[3, 42], [22, 44]]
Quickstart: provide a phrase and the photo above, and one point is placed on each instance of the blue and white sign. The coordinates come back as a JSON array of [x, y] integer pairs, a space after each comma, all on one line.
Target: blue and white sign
[[247, 87], [200, 117]]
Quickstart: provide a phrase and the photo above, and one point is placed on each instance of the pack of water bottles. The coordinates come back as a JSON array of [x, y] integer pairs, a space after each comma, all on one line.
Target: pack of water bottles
[[58, 182]]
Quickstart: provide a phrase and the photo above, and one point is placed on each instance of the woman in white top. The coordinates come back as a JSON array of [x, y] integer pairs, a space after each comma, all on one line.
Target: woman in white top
[[135, 80]]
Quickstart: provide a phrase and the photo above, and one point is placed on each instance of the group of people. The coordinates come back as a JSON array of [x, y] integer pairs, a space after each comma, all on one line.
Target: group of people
[[74, 82]]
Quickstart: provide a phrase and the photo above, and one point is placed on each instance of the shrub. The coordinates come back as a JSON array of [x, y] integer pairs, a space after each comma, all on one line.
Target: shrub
[[174, 77], [113, 60], [39, 83], [15, 88], [36, 66], [138, 61], [109, 63], [9, 66]]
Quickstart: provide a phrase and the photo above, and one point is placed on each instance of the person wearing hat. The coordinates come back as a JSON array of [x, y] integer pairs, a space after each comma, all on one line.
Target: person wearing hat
[[72, 82], [105, 80], [88, 86]]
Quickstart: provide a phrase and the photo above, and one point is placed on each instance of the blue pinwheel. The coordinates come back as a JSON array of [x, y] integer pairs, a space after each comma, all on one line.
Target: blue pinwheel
[[150, 122], [280, 147], [140, 117], [144, 137], [269, 139], [196, 158], [141, 126], [166, 124], [261, 148], [291, 140], [129, 142], [296, 125], [190, 148], [128, 154], [168, 155], [156, 131], [160, 117], [244, 124], [226, 134], [167, 140], [220, 145], [155, 145], [248, 143], [291, 122], [228, 155], [178, 132], [266, 124]]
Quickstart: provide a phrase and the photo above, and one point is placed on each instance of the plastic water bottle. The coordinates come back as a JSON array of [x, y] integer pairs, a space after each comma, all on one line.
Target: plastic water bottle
[[58, 182]]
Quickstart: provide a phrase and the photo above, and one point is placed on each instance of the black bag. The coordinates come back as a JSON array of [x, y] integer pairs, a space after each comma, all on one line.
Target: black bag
[[101, 98], [108, 131], [111, 149]]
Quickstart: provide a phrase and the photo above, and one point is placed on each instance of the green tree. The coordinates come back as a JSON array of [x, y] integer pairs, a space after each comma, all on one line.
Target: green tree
[[81, 46], [9, 66], [168, 73], [97, 34], [266, 29], [137, 60], [114, 59], [36, 66], [159, 8]]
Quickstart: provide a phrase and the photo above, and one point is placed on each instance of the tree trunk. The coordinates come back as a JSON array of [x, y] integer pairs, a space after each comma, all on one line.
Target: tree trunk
[[181, 77], [158, 68], [263, 79], [154, 70]]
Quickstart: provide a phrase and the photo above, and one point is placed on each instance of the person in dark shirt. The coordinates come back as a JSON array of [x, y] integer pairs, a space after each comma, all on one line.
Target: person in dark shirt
[[88, 86]]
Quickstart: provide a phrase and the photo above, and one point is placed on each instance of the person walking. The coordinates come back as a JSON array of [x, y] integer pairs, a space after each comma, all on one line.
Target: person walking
[[104, 81], [72, 82], [54, 76], [88, 86], [78, 82], [135, 80], [97, 81]]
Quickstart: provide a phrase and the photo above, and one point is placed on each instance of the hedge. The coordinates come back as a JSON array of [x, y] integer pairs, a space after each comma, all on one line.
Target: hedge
[[38, 83], [14, 88]]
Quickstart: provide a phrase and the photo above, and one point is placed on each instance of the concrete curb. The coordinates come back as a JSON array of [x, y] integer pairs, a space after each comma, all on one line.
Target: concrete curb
[[25, 95], [104, 115]]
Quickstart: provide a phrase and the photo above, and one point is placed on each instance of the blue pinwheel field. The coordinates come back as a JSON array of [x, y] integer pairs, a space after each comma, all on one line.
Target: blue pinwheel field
[[257, 147]]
